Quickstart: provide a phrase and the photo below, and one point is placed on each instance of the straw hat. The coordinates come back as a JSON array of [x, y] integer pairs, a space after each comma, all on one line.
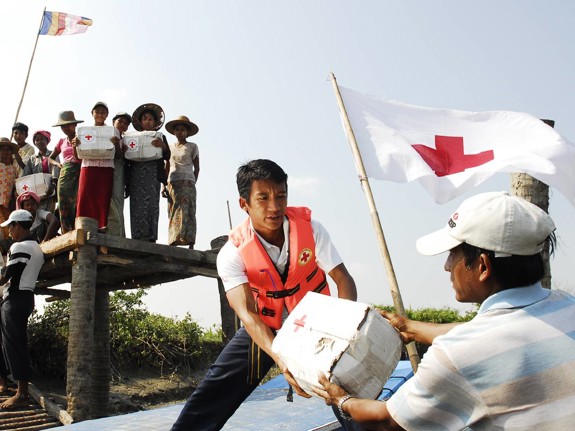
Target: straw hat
[[9, 143], [182, 119], [156, 109], [67, 117]]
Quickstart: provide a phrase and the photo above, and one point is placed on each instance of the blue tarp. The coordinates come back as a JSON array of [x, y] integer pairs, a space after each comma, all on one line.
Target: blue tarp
[[266, 408]]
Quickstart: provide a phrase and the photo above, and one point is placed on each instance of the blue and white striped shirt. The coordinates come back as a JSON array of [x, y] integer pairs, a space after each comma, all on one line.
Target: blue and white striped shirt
[[510, 368]]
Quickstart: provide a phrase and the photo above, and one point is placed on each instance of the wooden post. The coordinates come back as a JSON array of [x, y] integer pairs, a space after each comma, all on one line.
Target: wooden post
[[230, 322], [536, 192], [81, 338], [101, 368]]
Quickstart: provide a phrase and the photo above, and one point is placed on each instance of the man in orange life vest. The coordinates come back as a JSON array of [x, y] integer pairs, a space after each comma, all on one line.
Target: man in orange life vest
[[268, 264]]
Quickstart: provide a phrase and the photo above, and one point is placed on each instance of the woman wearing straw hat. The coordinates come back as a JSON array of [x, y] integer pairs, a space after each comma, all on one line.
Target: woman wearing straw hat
[[145, 178], [69, 170], [183, 168]]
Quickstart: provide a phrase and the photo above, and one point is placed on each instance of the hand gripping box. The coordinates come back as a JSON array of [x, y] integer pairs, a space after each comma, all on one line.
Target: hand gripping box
[[348, 341], [95, 142], [37, 183], [140, 146]]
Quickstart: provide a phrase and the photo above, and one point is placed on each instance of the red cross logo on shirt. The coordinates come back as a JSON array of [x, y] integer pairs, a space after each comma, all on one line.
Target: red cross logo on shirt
[[132, 144], [448, 156], [25, 187], [304, 256], [299, 323]]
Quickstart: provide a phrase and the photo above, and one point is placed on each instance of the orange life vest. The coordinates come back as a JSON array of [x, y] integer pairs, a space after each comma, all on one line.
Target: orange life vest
[[304, 275]]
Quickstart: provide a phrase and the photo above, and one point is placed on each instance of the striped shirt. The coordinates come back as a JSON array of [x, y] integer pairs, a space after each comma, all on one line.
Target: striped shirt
[[25, 259], [510, 368]]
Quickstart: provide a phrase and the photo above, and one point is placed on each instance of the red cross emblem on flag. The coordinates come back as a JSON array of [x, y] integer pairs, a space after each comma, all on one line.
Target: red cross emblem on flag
[[88, 138], [448, 157], [25, 187], [299, 323], [305, 256]]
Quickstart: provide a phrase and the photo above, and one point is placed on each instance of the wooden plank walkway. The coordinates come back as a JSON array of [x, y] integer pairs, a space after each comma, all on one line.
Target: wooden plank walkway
[[29, 418]]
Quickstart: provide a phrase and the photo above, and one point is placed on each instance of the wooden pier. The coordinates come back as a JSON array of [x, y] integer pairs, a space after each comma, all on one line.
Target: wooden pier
[[94, 264]]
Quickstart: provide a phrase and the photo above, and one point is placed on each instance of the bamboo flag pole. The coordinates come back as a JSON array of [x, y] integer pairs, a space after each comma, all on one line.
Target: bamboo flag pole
[[29, 68], [229, 215], [395, 294]]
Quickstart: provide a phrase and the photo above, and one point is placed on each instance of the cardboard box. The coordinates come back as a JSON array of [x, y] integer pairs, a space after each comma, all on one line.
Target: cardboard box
[[37, 183], [347, 341], [140, 146], [95, 142]]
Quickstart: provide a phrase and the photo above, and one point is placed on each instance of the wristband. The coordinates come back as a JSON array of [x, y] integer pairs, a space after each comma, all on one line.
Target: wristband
[[342, 400]]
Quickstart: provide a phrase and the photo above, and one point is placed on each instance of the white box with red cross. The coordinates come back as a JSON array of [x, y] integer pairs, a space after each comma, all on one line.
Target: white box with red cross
[[37, 183], [95, 142], [140, 146], [348, 341]]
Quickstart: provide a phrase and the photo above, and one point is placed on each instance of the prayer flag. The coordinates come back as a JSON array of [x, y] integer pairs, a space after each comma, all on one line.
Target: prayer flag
[[449, 151], [59, 24]]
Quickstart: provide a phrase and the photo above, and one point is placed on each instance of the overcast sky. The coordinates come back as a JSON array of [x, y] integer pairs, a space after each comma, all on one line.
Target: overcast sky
[[254, 76]]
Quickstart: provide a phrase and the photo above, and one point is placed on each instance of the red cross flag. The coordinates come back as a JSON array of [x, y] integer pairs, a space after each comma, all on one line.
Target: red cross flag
[[450, 151]]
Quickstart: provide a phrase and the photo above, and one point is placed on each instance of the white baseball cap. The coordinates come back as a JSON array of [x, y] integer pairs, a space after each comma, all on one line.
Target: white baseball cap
[[18, 215], [495, 221]]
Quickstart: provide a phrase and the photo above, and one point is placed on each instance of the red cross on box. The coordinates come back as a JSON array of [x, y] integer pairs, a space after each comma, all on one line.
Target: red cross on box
[[299, 322]]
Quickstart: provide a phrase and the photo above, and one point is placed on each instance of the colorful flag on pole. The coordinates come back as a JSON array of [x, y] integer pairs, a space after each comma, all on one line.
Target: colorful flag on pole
[[59, 24], [450, 152]]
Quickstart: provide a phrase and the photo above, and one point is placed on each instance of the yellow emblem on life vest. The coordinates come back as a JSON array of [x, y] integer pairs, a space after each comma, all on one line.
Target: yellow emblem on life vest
[[305, 256]]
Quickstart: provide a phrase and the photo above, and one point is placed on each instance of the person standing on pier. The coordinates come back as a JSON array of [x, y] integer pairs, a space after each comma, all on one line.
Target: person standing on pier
[[25, 259]]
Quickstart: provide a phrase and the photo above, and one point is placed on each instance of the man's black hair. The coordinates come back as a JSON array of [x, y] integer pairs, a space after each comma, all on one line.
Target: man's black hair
[[257, 170], [21, 127], [512, 271], [25, 224]]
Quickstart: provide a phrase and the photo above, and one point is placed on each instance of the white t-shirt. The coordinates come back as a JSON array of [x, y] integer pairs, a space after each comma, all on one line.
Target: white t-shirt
[[232, 270]]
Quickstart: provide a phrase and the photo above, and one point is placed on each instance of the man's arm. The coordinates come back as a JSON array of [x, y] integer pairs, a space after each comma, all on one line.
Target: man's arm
[[413, 330], [53, 226], [372, 414], [242, 301], [344, 281]]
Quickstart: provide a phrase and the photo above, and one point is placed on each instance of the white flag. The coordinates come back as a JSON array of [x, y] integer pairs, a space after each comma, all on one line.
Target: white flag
[[450, 151]]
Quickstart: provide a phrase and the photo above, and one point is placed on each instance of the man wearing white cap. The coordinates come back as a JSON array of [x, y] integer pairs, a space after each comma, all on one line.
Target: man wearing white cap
[[25, 259], [511, 366]]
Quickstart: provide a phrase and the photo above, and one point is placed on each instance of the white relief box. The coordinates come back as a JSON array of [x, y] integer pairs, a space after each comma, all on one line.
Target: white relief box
[[37, 183], [139, 146], [95, 142], [348, 341]]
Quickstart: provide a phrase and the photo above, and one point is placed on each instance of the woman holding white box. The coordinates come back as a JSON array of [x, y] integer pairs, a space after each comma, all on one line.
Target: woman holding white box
[[97, 174], [42, 164], [145, 177]]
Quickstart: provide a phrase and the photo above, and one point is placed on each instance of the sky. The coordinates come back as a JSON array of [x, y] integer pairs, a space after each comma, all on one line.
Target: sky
[[254, 76]]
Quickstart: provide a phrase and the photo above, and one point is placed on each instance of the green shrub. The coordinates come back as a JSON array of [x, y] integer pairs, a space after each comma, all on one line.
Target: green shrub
[[138, 338]]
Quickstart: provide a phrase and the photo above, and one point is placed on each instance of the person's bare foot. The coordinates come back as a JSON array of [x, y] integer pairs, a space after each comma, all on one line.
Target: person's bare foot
[[15, 402]]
